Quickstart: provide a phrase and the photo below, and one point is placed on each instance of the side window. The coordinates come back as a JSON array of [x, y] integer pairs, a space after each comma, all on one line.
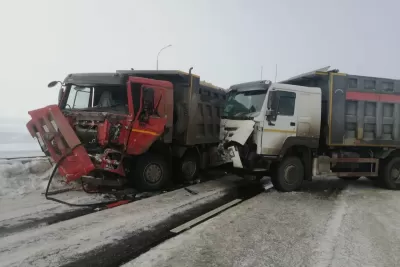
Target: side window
[[286, 104]]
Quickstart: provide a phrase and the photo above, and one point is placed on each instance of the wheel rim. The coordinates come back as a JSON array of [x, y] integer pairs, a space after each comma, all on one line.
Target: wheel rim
[[152, 173], [395, 173], [189, 168], [290, 174]]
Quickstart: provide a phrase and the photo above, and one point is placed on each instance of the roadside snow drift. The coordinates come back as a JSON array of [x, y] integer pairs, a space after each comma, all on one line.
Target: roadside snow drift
[[19, 178]]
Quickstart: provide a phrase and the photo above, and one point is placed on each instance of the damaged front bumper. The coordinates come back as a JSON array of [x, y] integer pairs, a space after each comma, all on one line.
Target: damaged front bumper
[[58, 140], [234, 133], [235, 157]]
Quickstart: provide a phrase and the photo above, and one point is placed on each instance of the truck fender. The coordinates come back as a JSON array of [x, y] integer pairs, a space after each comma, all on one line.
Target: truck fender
[[383, 154], [181, 150], [178, 151], [301, 147], [293, 141]]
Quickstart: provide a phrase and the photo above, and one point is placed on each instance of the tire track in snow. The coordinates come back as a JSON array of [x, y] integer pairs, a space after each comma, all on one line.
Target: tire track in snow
[[323, 255]]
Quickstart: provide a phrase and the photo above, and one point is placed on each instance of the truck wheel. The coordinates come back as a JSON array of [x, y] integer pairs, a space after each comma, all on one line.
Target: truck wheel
[[349, 178], [289, 175], [391, 174], [151, 173], [189, 166]]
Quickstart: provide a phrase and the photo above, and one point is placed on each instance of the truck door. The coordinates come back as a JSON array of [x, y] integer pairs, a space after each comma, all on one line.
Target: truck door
[[149, 116], [280, 121]]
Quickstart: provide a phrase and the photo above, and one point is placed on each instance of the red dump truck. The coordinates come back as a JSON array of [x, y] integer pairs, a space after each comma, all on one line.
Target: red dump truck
[[132, 126]]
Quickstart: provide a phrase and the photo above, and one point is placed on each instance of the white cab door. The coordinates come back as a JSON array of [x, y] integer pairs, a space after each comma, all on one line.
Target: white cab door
[[282, 124]]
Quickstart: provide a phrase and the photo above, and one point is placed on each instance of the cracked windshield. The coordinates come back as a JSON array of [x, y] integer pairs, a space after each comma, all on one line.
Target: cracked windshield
[[244, 104]]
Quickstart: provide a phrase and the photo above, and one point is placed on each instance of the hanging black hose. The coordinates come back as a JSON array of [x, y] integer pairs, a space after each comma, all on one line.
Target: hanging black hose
[[93, 205]]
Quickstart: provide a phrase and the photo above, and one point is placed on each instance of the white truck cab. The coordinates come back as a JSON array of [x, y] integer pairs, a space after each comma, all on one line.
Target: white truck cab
[[262, 122]]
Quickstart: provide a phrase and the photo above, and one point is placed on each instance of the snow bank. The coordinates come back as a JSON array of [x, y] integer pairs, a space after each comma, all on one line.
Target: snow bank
[[19, 178]]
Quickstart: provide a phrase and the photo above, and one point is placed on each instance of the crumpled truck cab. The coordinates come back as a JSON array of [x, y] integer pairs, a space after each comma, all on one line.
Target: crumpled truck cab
[[130, 127], [262, 119]]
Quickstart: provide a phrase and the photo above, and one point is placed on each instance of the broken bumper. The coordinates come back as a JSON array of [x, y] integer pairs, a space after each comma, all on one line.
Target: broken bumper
[[231, 155], [235, 158], [58, 140]]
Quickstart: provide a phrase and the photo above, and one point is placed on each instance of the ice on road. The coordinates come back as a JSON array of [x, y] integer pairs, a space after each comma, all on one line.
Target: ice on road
[[358, 227]]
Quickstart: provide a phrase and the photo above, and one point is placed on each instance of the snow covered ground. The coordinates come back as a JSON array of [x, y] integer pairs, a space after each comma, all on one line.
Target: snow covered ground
[[64, 241], [328, 223], [358, 227], [19, 178]]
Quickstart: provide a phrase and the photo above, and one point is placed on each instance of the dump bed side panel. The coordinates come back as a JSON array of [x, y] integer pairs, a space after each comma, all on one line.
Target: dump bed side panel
[[205, 105], [363, 111]]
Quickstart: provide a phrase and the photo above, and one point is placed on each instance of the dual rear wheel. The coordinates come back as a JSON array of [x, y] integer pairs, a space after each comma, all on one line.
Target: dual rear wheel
[[289, 174], [389, 174]]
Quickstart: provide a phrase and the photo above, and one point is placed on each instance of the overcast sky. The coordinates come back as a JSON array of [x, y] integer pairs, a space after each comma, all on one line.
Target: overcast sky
[[226, 41]]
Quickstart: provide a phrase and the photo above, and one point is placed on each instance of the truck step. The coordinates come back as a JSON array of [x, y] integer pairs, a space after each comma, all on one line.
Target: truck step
[[101, 182]]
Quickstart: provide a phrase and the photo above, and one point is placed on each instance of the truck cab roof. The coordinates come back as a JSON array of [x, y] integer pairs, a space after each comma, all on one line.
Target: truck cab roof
[[120, 76], [305, 89]]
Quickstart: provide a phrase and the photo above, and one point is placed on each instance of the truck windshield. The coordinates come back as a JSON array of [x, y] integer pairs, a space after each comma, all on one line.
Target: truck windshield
[[79, 97], [244, 103], [97, 98]]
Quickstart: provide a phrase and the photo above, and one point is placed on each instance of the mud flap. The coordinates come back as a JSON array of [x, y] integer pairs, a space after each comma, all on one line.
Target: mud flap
[[57, 138]]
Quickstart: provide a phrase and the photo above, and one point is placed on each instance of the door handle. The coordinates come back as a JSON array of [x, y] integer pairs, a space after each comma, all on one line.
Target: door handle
[[292, 124]]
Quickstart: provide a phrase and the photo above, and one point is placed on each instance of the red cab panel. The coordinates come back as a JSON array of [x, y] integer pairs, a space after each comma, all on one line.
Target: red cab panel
[[142, 137], [144, 134], [57, 138]]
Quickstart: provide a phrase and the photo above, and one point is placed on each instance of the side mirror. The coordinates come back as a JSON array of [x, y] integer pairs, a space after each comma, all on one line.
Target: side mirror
[[147, 104], [60, 95], [272, 100], [148, 98], [53, 83]]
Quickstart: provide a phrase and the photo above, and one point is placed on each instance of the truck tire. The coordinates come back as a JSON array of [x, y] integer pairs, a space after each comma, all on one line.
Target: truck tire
[[289, 175], [390, 177], [349, 178], [189, 166], [151, 173]]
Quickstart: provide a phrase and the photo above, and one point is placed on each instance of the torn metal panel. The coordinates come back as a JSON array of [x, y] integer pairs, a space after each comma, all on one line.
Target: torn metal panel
[[237, 130]]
